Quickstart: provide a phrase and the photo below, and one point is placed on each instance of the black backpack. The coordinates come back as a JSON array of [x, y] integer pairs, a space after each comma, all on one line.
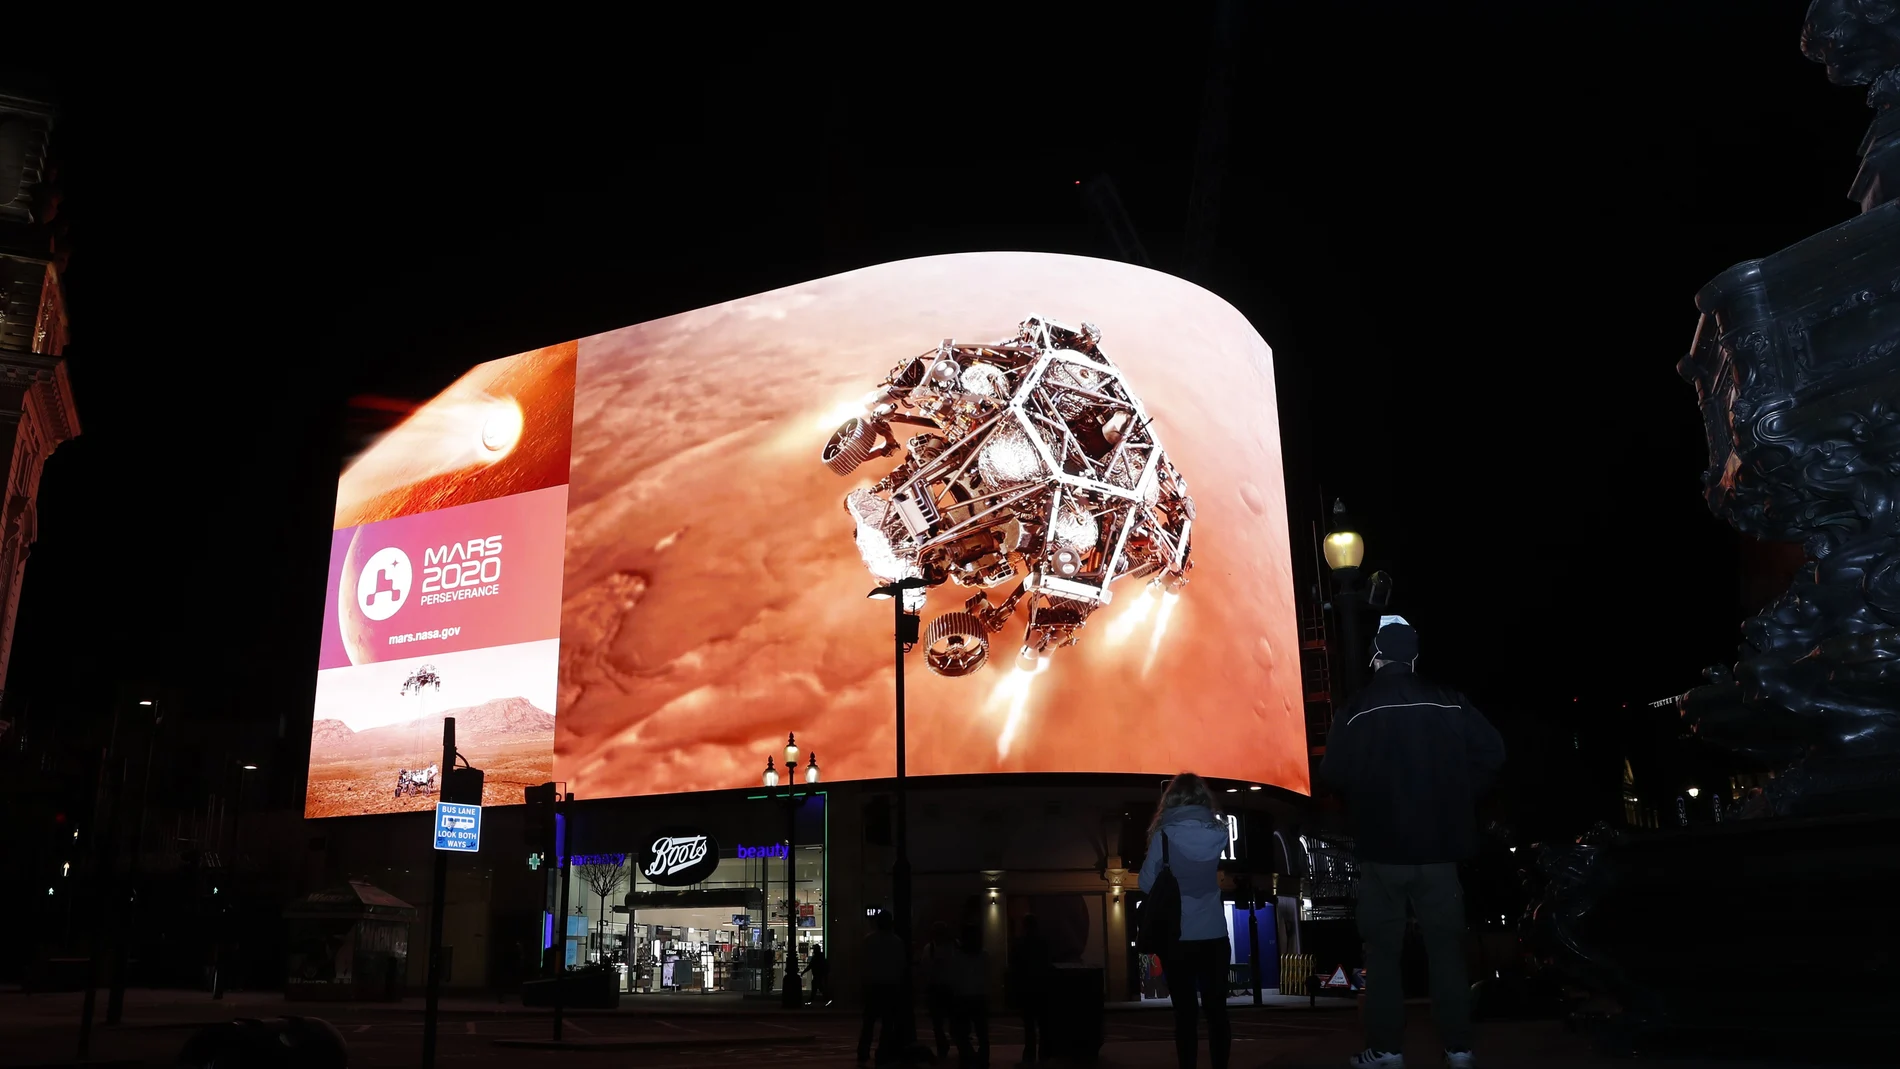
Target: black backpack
[[1159, 925]]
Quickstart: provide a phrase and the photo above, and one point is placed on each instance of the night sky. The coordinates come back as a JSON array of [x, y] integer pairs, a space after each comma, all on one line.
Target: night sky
[[1471, 233]]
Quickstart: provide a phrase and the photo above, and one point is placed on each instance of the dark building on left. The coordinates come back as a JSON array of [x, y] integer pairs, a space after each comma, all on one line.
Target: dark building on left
[[36, 399], [43, 771]]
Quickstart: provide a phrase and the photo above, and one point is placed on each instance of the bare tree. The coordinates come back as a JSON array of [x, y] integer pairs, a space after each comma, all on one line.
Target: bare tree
[[604, 877]]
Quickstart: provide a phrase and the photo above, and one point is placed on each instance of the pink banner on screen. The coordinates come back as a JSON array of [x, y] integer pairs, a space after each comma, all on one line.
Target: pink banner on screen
[[463, 578]]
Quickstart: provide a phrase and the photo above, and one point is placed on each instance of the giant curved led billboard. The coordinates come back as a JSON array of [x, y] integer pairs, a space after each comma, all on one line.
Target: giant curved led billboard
[[636, 561]]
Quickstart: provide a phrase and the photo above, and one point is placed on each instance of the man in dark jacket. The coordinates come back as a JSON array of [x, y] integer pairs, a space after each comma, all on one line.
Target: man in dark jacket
[[1412, 760]]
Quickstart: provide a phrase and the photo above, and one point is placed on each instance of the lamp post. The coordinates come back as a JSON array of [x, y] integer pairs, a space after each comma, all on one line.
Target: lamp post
[[224, 907], [793, 987], [1345, 550], [115, 999], [908, 630], [104, 863]]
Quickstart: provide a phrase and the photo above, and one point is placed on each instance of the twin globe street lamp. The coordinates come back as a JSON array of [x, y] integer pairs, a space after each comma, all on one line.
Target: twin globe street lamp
[[771, 777], [793, 989]]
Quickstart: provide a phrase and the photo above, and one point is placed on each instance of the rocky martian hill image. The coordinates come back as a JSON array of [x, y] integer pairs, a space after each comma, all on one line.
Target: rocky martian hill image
[[353, 772]]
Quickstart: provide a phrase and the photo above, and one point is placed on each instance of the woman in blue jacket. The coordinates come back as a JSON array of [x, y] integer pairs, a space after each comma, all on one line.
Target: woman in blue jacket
[[1195, 836]]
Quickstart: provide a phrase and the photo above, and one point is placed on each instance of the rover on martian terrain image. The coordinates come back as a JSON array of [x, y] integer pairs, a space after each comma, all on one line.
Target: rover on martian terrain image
[[1028, 461]]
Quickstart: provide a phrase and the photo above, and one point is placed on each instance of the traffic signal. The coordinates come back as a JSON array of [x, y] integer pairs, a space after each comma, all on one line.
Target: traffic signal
[[540, 818]]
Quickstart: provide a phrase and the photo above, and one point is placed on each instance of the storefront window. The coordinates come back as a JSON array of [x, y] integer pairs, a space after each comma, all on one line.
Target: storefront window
[[725, 934]]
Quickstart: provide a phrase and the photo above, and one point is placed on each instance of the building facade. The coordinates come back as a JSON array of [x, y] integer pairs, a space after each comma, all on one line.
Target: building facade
[[36, 399], [989, 849]]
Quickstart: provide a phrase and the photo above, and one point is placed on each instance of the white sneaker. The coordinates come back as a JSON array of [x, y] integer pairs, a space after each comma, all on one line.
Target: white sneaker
[[1460, 1059], [1377, 1059]]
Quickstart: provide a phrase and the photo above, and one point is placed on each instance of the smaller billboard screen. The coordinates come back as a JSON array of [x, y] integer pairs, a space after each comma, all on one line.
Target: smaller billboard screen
[[443, 596]]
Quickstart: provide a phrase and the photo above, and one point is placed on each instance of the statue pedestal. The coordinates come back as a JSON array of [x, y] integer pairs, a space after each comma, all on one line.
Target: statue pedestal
[[1780, 932], [1829, 786]]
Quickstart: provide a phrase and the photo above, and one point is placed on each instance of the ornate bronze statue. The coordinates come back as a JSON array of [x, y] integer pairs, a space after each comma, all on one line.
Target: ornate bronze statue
[[1796, 362]]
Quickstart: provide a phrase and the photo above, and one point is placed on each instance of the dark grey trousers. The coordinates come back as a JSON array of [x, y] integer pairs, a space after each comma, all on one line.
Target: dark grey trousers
[[1438, 900]]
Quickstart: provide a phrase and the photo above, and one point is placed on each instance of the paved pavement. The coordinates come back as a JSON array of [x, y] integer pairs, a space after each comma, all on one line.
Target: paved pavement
[[662, 1034], [43, 1030]]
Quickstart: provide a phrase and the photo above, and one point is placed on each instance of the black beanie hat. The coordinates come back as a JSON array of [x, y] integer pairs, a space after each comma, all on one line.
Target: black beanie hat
[[1396, 641]]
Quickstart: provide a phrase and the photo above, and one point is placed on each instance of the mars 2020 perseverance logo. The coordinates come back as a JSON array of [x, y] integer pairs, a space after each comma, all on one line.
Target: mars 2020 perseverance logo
[[383, 586]]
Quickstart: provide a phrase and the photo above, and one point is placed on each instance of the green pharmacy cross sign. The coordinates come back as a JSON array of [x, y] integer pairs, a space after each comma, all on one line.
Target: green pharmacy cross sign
[[534, 862]]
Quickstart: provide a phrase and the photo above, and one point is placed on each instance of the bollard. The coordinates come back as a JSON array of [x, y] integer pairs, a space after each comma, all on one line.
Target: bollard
[[281, 1043], [1296, 971]]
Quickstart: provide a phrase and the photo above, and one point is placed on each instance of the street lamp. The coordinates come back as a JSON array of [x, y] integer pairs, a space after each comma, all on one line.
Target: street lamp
[[908, 631], [128, 895], [105, 867], [794, 995], [1345, 550], [1695, 792], [237, 828]]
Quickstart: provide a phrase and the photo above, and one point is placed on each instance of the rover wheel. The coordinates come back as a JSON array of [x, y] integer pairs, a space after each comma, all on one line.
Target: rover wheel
[[956, 644], [850, 446]]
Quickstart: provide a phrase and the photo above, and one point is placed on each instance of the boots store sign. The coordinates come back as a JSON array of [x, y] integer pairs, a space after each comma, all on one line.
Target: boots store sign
[[677, 857]]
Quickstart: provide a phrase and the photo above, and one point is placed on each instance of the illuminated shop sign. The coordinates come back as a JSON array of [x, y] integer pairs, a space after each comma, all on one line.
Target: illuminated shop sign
[[1232, 852], [615, 860], [678, 857], [751, 852]]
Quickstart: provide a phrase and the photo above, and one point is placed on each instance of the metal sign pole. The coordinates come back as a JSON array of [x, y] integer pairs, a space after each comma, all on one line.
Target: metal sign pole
[[1253, 936], [561, 798], [794, 995], [900, 875], [436, 908], [105, 862]]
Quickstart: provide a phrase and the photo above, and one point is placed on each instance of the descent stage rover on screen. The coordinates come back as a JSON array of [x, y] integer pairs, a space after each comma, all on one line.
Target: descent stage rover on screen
[[1027, 460]]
